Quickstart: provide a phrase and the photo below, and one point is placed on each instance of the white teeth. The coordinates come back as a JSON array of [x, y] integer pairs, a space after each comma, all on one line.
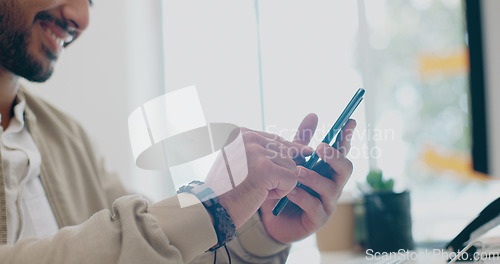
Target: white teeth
[[58, 40]]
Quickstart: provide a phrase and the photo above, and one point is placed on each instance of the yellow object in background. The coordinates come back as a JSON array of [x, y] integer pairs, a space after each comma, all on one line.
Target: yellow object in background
[[454, 63], [457, 162]]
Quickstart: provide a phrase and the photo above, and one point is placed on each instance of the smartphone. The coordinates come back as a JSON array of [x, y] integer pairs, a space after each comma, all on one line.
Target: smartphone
[[332, 134]]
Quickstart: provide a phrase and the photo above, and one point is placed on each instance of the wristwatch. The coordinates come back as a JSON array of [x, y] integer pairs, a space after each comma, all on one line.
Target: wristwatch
[[223, 225]]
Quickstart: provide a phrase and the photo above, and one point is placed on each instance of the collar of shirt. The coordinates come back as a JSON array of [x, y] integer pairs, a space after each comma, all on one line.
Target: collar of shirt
[[17, 122], [28, 210]]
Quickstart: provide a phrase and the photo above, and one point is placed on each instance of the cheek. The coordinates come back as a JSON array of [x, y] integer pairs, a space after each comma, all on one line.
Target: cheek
[[17, 19], [20, 14], [32, 40], [13, 17]]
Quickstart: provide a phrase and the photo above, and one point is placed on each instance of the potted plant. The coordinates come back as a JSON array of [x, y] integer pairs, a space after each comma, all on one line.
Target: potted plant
[[387, 215]]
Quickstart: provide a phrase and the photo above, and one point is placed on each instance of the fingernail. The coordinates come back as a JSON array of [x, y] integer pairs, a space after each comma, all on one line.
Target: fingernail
[[301, 172]]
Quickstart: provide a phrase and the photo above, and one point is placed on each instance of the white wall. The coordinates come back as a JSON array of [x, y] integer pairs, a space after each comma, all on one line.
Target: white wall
[[213, 45]]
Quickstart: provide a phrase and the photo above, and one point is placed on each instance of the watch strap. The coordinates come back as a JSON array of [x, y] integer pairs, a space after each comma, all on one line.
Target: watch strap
[[223, 225]]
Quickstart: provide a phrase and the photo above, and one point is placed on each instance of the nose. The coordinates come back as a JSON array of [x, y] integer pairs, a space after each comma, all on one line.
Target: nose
[[76, 13]]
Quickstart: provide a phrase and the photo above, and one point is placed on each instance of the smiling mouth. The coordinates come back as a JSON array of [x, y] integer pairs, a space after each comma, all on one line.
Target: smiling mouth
[[57, 39], [58, 33]]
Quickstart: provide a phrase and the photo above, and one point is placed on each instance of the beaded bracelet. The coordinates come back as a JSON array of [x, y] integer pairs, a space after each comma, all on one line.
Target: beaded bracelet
[[224, 226]]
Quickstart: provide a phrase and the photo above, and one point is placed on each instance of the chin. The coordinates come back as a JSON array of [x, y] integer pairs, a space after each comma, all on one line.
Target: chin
[[38, 73], [40, 78], [39, 69], [36, 65]]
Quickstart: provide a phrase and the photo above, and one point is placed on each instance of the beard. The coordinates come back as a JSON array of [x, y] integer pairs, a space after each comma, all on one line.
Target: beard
[[14, 55]]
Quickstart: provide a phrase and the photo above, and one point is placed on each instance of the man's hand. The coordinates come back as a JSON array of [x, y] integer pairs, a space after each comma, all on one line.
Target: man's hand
[[261, 166], [307, 213]]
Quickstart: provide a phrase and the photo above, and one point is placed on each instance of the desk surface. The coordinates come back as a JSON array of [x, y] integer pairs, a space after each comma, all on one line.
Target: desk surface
[[349, 257], [340, 257]]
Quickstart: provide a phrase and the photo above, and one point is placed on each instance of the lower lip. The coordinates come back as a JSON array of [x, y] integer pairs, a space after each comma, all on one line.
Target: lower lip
[[53, 45]]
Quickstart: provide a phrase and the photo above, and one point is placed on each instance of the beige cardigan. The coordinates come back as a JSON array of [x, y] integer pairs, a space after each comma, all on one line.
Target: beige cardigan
[[97, 226]]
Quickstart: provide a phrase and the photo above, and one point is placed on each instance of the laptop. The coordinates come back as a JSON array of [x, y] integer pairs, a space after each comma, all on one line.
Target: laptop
[[487, 220]]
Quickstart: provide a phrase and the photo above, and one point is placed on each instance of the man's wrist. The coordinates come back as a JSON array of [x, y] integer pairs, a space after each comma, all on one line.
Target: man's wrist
[[223, 225], [254, 238], [242, 202]]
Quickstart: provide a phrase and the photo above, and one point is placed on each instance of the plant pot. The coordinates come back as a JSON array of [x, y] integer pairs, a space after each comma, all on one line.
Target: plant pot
[[338, 233], [388, 222]]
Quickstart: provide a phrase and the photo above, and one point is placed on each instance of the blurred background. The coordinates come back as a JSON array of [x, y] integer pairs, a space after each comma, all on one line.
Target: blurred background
[[267, 64]]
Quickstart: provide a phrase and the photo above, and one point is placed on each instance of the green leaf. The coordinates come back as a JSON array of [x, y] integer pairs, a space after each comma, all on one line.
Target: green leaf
[[376, 181]]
